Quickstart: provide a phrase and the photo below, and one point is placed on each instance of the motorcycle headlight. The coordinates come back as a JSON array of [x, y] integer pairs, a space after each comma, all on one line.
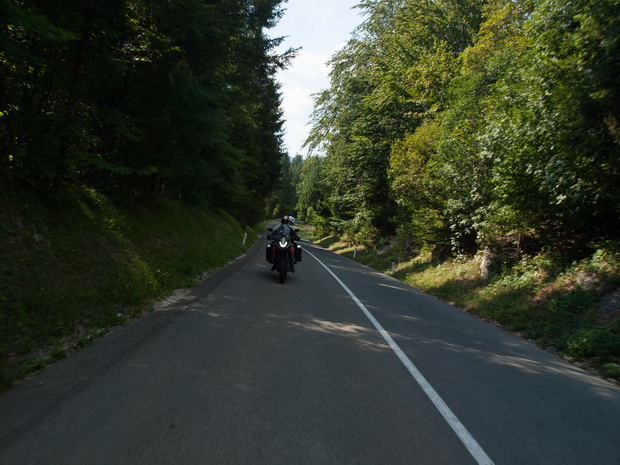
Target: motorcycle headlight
[[283, 243]]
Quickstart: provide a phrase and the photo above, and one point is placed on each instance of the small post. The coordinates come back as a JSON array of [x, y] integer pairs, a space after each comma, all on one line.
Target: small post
[[245, 238], [354, 253], [393, 267]]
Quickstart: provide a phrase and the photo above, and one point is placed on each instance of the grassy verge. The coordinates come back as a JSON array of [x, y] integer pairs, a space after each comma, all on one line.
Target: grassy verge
[[75, 264], [559, 307]]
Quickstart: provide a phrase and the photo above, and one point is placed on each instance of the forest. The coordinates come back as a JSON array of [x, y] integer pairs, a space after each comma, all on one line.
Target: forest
[[140, 138], [143, 98], [452, 124], [460, 125]]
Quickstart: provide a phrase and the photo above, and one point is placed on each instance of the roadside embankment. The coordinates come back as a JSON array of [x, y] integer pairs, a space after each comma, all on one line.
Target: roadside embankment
[[571, 309], [76, 263]]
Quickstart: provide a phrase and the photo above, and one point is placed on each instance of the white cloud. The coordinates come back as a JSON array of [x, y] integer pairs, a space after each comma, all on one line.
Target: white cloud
[[307, 76], [321, 28]]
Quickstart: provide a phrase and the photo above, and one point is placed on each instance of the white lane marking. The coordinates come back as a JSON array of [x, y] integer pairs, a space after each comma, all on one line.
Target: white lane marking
[[466, 438]]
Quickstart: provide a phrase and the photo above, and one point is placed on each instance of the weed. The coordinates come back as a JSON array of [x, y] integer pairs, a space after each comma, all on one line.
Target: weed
[[611, 370]]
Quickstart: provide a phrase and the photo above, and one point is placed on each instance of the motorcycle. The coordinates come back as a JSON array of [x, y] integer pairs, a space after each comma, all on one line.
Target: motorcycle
[[283, 252]]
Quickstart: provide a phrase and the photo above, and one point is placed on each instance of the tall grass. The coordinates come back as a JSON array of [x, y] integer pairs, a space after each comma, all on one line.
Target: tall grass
[[75, 264]]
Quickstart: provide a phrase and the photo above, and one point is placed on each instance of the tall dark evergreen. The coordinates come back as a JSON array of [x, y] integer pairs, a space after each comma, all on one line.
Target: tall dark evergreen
[[145, 97]]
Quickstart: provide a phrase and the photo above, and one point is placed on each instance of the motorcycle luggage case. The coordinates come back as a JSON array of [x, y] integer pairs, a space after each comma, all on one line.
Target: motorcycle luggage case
[[298, 253], [268, 253]]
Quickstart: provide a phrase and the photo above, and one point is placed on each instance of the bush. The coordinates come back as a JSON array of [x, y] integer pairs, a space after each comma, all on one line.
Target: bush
[[593, 342]]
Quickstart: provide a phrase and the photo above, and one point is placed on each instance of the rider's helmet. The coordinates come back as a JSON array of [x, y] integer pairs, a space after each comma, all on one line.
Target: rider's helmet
[[285, 219]]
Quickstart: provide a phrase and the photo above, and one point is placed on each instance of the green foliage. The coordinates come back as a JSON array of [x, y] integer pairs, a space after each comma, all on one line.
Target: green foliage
[[560, 310], [313, 201], [549, 132], [285, 199], [412, 180], [417, 188], [467, 123], [389, 81], [611, 370], [150, 98]]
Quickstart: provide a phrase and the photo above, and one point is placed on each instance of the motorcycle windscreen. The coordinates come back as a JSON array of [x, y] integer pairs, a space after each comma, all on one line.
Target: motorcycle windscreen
[[283, 230]]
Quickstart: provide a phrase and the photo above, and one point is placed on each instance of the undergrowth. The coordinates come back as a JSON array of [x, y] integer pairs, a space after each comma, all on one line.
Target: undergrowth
[[75, 264], [555, 304]]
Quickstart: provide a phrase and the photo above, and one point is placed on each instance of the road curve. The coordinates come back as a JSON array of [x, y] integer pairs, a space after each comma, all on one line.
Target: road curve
[[246, 370]]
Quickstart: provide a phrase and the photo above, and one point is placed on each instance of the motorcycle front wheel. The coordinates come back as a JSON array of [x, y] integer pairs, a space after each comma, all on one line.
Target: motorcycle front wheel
[[282, 269]]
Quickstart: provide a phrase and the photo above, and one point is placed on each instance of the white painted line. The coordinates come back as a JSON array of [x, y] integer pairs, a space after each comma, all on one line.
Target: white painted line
[[466, 438]]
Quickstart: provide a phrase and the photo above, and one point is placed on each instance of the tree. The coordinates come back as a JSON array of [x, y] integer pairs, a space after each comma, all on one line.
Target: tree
[[313, 194], [470, 210], [389, 79], [552, 132], [144, 98], [420, 194]]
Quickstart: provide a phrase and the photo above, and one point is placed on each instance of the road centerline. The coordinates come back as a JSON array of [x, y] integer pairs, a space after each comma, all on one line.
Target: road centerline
[[466, 438]]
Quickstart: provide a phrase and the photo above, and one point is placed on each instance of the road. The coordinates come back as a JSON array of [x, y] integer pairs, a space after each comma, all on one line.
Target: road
[[340, 365]]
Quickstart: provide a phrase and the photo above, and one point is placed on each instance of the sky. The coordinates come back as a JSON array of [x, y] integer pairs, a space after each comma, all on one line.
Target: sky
[[320, 28]]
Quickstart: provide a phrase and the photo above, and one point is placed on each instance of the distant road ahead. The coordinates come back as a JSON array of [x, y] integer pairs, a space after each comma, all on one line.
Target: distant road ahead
[[340, 365]]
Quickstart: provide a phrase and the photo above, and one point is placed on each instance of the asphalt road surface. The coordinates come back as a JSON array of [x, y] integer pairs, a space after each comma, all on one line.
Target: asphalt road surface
[[340, 365]]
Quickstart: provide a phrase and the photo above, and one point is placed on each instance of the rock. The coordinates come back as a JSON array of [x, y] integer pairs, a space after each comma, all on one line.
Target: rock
[[589, 280], [610, 303], [485, 263]]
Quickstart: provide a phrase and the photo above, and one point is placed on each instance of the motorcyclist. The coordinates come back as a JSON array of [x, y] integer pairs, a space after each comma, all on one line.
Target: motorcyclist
[[285, 222]]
